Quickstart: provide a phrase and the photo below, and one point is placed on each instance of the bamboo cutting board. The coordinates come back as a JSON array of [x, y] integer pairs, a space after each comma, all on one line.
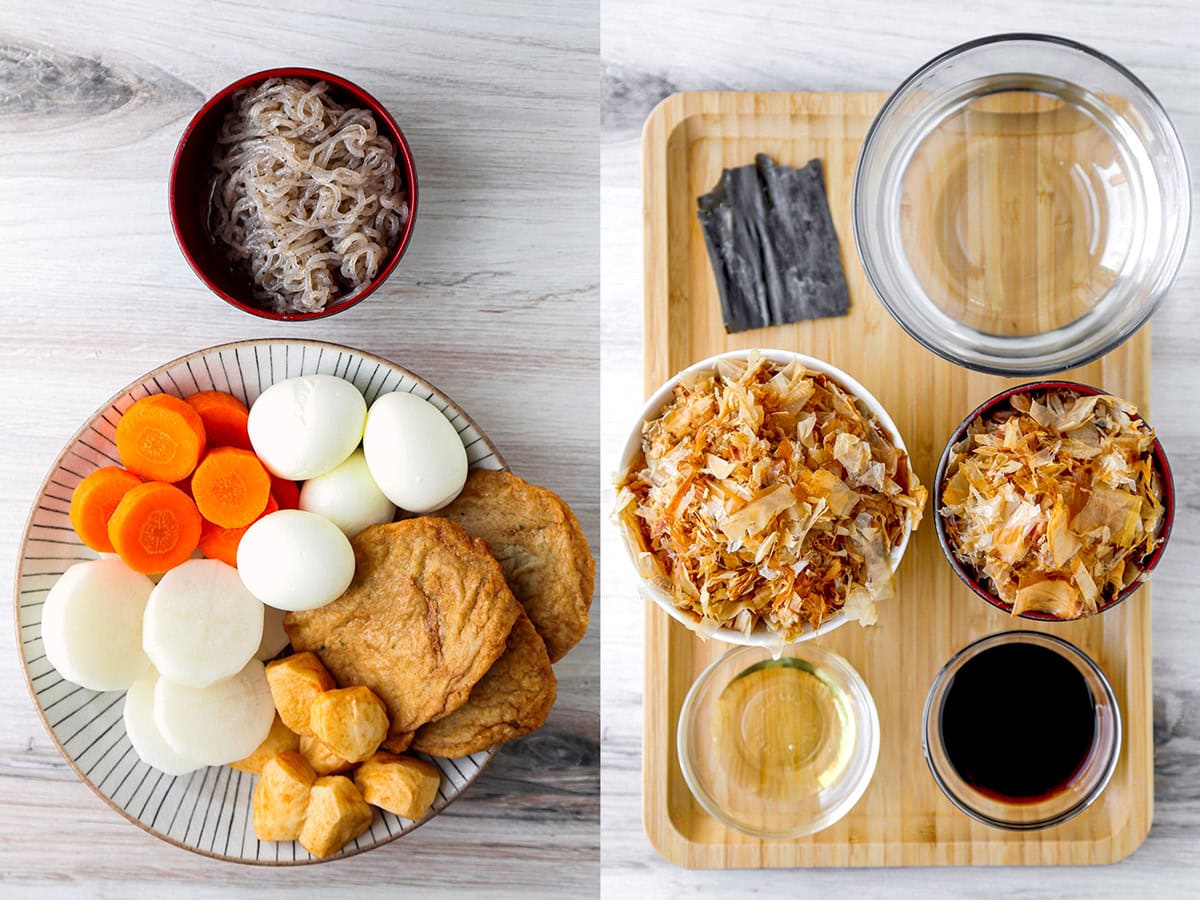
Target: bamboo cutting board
[[903, 819]]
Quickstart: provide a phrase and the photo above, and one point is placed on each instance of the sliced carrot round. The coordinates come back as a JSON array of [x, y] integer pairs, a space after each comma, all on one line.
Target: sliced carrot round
[[231, 487], [225, 418], [222, 543], [155, 527], [93, 502], [285, 491], [160, 438]]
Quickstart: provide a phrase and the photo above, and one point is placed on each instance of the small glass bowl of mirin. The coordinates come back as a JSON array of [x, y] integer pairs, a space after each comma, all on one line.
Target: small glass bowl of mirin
[[1021, 730], [778, 747], [1060, 514]]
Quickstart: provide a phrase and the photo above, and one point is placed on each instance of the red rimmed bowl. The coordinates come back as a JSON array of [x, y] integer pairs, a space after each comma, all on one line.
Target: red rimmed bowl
[[191, 174], [979, 584]]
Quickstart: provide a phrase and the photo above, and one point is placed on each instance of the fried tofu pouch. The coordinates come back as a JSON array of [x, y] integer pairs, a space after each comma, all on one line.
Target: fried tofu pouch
[[427, 614], [337, 814], [278, 739], [295, 682], [351, 722], [403, 785], [541, 547], [281, 797], [511, 700]]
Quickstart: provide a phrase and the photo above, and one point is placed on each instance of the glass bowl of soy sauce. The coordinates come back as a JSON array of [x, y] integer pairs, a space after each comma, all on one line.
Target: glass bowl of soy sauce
[[1021, 730]]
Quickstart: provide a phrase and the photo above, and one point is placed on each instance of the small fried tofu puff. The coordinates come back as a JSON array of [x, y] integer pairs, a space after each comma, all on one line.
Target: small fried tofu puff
[[281, 797], [295, 682], [337, 814], [323, 760], [403, 785], [278, 739], [351, 722]]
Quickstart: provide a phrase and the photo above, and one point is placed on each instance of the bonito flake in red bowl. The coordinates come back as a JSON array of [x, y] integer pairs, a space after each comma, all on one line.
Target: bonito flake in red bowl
[[1054, 500], [766, 497]]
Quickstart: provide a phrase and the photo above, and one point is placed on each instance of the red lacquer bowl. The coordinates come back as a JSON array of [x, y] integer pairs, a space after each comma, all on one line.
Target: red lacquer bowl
[[191, 174], [981, 585]]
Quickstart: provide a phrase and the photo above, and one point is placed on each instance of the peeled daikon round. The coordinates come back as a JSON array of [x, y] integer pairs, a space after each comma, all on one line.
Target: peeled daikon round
[[92, 624], [148, 743], [304, 426], [414, 454], [295, 560], [217, 724], [348, 497], [201, 623]]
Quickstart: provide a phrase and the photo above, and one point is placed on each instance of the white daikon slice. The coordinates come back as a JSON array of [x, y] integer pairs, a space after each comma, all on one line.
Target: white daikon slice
[[274, 637], [92, 624], [201, 624], [147, 740], [217, 724]]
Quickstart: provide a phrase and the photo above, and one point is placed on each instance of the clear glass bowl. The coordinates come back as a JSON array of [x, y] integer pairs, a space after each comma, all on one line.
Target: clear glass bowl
[[778, 758], [1086, 784], [1021, 204]]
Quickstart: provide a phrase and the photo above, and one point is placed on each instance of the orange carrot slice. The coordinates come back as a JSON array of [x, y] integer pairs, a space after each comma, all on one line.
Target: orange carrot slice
[[222, 543], [286, 491], [231, 487], [93, 502], [160, 438], [155, 527], [224, 417]]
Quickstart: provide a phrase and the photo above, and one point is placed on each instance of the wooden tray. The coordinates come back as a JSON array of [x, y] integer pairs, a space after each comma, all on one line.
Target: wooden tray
[[903, 819]]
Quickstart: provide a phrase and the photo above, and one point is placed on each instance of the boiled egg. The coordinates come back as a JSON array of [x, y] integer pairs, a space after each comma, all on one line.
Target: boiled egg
[[305, 426], [413, 453], [295, 560], [348, 497]]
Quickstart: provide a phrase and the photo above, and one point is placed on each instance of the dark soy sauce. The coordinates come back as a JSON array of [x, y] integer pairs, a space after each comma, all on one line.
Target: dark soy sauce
[[1018, 722]]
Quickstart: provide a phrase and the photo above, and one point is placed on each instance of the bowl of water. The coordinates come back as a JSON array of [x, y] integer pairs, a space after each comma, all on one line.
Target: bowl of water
[[1021, 204]]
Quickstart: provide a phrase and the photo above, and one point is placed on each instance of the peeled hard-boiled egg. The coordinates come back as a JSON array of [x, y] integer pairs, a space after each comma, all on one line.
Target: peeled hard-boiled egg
[[414, 454], [348, 497], [295, 560], [305, 426], [92, 624]]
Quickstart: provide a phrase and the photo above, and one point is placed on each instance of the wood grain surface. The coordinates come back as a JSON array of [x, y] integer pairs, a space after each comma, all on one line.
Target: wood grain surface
[[651, 50], [902, 819], [495, 303]]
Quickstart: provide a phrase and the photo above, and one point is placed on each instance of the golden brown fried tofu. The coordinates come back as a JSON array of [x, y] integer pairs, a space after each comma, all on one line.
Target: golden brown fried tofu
[[296, 681], [337, 814], [403, 785], [349, 721], [323, 760], [281, 797], [279, 739]]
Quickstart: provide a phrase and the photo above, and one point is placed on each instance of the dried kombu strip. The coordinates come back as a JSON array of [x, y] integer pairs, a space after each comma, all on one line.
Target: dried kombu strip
[[772, 244]]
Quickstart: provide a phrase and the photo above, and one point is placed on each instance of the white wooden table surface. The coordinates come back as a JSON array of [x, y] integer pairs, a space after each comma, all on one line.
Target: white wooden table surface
[[652, 49], [495, 302]]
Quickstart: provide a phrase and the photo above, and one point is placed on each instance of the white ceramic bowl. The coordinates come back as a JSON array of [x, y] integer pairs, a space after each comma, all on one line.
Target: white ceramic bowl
[[207, 811], [761, 636]]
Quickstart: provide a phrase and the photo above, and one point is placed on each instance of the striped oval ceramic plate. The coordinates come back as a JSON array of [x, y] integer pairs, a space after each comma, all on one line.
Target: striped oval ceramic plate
[[207, 811]]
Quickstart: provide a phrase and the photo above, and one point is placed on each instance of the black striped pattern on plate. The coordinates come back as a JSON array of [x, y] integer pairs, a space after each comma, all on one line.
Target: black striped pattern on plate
[[209, 810]]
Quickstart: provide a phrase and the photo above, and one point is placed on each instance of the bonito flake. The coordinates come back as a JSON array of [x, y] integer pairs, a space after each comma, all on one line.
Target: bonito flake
[[768, 494], [1055, 500]]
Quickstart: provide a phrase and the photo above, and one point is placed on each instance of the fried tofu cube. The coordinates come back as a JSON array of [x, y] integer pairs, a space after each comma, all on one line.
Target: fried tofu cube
[[323, 760], [337, 814], [398, 743], [403, 785], [352, 722], [296, 681], [281, 797], [279, 739]]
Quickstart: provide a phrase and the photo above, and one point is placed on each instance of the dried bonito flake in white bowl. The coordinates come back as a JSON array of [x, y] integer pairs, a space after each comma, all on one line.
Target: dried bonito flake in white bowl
[[767, 499], [1055, 501]]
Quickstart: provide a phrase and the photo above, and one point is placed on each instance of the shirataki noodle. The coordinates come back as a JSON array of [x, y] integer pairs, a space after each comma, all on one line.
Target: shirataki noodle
[[307, 197]]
